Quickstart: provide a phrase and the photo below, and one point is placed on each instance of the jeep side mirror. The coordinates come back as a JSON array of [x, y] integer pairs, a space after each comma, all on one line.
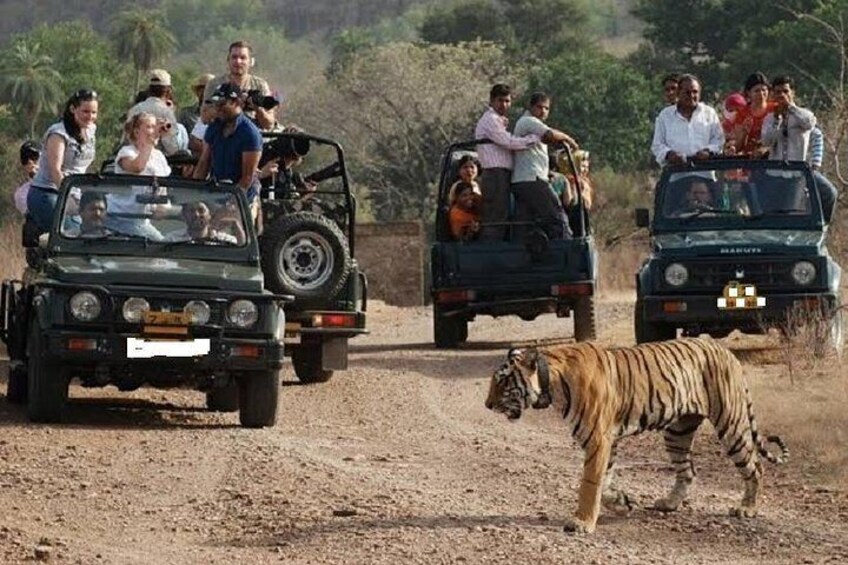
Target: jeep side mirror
[[643, 218]]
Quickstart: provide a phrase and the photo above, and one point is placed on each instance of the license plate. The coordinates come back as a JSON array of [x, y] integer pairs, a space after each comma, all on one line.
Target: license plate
[[154, 318], [740, 296], [148, 348], [292, 332]]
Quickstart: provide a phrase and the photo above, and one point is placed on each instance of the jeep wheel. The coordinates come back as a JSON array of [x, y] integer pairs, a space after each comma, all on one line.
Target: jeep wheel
[[306, 255], [584, 319], [259, 394], [448, 331], [16, 385], [308, 366], [47, 382], [223, 399], [646, 331]]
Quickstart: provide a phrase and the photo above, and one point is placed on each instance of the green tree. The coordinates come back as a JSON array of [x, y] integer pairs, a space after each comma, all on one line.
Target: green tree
[[602, 102], [395, 108], [29, 82], [142, 38]]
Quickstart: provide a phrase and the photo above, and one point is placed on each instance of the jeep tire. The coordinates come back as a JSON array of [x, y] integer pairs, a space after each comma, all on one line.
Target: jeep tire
[[47, 381], [259, 394], [584, 319], [16, 385], [305, 255], [307, 364], [448, 331], [646, 331]]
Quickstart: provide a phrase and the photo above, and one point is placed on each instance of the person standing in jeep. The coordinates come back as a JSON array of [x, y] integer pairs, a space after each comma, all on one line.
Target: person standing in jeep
[[497, 160], [232, 146], [239, 62]]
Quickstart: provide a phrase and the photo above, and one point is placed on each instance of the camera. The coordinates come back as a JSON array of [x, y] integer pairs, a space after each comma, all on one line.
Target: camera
[[256, 99], [284, 147]]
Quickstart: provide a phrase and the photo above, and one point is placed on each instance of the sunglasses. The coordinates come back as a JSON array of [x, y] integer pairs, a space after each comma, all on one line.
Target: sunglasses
[[84, 94]]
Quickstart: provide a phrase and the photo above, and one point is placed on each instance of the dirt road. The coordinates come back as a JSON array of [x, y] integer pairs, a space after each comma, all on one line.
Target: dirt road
[[393, 461]]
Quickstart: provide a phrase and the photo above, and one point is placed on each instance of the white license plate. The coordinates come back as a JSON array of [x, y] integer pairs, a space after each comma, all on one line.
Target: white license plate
[[292, 332], [147, 348]]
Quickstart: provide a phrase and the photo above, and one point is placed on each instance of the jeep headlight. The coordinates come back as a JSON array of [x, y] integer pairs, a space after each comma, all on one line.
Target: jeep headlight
[[676, 274], [199, 312], [85, 306], [804, 273], [242, 313], [134, 308]]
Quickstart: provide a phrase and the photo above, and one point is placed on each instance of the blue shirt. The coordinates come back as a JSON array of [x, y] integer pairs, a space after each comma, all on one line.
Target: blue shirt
[[227, 150]]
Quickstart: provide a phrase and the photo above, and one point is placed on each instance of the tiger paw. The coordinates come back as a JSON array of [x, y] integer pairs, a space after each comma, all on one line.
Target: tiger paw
[[667, 504], [618, 502], [577, 526], [743, 511]]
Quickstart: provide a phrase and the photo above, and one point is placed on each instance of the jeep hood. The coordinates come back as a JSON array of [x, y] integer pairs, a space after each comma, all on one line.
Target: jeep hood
[[741, 242], [170, 273]]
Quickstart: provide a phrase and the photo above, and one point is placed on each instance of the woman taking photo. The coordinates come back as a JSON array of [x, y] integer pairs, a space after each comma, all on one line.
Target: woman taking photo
[[68, 148]]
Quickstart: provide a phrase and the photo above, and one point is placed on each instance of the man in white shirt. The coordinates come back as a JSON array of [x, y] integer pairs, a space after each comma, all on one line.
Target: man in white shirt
[[497, 161], [534, 198], [687, 130]]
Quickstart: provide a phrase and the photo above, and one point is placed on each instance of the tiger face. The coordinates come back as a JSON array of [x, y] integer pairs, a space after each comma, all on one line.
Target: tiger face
[[516, 384]]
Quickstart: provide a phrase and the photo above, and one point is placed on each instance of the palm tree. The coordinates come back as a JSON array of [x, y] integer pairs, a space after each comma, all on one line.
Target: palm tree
[[142, 38], [28, 81]]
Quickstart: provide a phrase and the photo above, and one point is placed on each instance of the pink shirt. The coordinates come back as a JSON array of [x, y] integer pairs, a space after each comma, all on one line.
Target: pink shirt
[[498, 154]]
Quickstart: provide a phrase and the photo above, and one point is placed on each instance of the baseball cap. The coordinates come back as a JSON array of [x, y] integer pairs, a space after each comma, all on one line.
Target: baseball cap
[[29, 151], [202, 80], [160, 77], [225, 91]]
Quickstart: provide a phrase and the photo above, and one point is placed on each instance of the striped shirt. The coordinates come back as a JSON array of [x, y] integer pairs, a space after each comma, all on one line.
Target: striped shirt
[[815, 154], [498, 154]]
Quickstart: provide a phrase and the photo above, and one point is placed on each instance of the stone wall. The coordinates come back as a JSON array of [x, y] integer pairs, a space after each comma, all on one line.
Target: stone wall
[[393, 258]]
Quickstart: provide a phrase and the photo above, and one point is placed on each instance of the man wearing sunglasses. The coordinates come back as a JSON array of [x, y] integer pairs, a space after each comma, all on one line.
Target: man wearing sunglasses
[[232, 145]]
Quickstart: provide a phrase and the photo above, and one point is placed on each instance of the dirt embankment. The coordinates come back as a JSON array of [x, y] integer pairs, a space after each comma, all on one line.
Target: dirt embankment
[[397, 461]]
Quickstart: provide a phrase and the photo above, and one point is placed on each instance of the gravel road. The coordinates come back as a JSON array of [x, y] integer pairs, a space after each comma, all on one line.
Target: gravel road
[[393, 461]]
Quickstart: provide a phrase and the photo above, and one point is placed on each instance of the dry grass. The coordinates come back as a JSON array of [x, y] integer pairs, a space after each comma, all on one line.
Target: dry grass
[[12, 259], [617, 265]]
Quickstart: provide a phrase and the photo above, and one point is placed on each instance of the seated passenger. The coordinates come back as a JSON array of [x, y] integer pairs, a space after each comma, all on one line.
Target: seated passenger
[[699, 198], [92, 212], [569, 197], [464, 214], [198, 220]]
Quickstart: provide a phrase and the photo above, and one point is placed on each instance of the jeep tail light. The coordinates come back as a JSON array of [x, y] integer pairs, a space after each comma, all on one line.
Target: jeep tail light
[[580, 289], [448, 296], [333, 321], [245, 351]]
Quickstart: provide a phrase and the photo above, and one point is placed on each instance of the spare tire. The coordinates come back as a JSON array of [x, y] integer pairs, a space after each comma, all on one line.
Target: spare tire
[[305, 255]]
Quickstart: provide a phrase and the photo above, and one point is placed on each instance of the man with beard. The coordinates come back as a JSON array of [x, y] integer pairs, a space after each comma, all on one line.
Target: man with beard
[[687, 130], [198, 218], [92, 213], [239, 62]]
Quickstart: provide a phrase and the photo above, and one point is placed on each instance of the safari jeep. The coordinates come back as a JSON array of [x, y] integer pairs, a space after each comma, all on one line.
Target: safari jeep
[[736, 245], [145, 282], [308, 247], [523, 276]]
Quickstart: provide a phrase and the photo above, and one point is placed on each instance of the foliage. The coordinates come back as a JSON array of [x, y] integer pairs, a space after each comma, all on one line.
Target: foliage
[[527, 28], [600, 101], [208, 17], [29, 82], [396, 107], [142, 38]]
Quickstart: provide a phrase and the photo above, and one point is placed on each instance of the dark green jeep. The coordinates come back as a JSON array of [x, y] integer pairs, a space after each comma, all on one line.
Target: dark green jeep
[[736, 244], [146, 282], [523, 276]]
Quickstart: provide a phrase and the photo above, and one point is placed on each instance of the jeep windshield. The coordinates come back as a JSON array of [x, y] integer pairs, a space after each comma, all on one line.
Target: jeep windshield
[[737, 194], [163, 213]]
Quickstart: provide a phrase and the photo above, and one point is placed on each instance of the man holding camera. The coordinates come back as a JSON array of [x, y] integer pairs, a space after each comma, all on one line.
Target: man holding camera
[[232, 145], [259, 103]]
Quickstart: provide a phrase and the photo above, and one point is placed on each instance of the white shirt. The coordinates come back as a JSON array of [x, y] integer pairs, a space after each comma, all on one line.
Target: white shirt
[[157, 165], [532, 163], [215, 235], [199, 130], [673, 132], [788, 138]]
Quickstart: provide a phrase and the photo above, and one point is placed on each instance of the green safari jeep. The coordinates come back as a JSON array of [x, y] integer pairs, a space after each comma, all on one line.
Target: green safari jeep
[[145, 281], [736, 245]]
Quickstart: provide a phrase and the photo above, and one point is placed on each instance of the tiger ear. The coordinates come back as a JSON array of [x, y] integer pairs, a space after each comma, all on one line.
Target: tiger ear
[[515, 355]]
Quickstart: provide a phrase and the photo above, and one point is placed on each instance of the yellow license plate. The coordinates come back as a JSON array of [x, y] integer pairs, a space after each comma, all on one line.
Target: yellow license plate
[[292, 332], [154, 318]]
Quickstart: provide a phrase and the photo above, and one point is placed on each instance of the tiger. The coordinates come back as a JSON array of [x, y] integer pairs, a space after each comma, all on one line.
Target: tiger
[[608, 394]]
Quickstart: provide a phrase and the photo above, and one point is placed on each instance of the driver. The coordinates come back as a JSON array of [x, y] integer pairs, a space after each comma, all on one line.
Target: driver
[[198, 218], [699, 197], [92, 212]]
